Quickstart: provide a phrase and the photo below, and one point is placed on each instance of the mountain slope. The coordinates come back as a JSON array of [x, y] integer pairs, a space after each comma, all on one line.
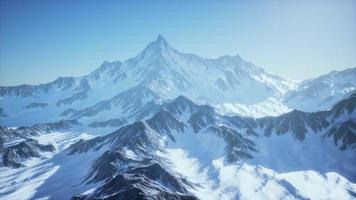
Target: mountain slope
[[244, 143], [323, 92], [124, 104], [186, 151], [160, 68]]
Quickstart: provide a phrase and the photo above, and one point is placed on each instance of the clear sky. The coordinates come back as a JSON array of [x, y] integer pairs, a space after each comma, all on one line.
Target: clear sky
[[41, 40]]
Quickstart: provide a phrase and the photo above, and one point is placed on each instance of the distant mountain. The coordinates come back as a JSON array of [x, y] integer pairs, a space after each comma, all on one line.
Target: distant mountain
[[160, 68], [323, 92], [225, 83]]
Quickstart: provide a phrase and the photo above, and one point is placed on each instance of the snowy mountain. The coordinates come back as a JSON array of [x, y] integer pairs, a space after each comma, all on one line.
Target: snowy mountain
[[159, 67], [169, 155], [322, 92], [171, 125], [225, 83], [228, 82]]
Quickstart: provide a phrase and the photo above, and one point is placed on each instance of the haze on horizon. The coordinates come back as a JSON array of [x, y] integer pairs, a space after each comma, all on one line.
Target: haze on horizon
[[42, 40]]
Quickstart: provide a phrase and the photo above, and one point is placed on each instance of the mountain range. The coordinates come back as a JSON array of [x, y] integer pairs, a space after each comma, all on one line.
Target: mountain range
[[225, 83], [172, 125]]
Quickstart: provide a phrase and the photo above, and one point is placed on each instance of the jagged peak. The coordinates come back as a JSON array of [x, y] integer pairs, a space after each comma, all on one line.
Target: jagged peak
[[163, 114], [179, 104], [138, 125], [182, 98], [158, 47], [161, 40], [160, 43]]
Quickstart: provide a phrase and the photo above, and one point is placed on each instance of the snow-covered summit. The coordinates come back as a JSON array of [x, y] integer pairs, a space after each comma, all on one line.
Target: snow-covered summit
[[229, 83]]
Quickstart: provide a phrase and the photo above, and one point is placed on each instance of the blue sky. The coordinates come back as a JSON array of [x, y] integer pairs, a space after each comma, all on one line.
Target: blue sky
[[41, 40]]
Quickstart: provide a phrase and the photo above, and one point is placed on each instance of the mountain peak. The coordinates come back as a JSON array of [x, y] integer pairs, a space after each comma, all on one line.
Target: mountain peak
[[158, 47], [160, 38], [161, 43]]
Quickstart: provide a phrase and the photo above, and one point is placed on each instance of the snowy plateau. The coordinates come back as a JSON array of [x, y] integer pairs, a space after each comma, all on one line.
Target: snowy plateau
[[171, 125]]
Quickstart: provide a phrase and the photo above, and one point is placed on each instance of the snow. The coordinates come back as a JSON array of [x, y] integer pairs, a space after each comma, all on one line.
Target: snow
[[66, 181], [203, 146], [56, 174], [257, 182], [284, 154], [245, 181], [282, 169], [320, 186], [62, 140], [270, 107], [22, 184], [192, 169]]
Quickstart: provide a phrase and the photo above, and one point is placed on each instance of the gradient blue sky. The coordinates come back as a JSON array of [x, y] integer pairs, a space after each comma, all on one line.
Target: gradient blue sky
[[41, 40]]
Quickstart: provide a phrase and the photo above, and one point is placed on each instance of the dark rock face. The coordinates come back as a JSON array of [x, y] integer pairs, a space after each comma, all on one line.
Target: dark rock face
[[179, 105], [298, 123], [83, 146], [175, 107], [78, 197], [165, 123], [135, 137], [344, 134], [149, 109], [138, 176], [148, 181], [203, 117], [238, 146], [346, 105], [14, 155], [295, 123], [107, 165], [2, 142], [6, 133]]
